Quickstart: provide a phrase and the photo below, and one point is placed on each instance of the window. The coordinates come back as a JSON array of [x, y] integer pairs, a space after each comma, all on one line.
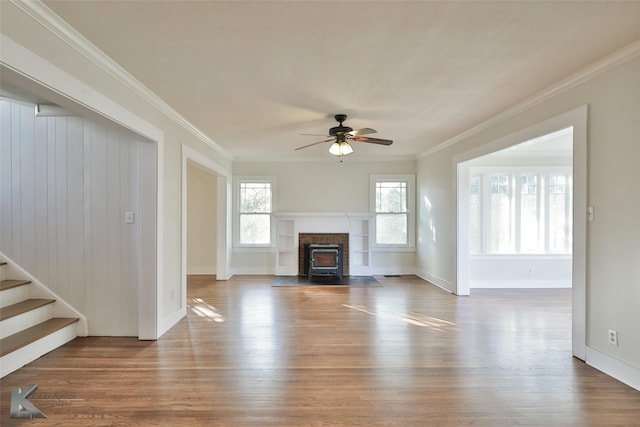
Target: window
[[559, 213], [255, 205], [529, 214], [475, 215], [500, 214], [393, 204], [519, 211]]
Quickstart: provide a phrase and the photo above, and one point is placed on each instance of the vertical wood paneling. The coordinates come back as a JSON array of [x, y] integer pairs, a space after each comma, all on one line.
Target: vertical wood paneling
[[52, 211], [16, 223], [131, 234], [125, 233], [41, 175], [65, 184], [75, 209], [6, 238], [99, 292], [62, 203], [88, 198], [27, 188], [113, 225]]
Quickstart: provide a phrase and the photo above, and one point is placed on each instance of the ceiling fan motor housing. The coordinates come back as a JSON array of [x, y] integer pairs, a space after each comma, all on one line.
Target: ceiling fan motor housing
[[340, 129]]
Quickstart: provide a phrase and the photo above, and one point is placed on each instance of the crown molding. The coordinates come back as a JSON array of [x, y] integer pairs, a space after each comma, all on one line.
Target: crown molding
[[605, 64], [325, 159], [57, 26]]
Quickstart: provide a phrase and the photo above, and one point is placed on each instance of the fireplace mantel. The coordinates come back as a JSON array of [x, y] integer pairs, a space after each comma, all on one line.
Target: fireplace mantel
[[290, 224]]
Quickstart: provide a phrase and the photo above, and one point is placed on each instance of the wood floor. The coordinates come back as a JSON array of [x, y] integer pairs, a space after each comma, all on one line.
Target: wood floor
[[405, 354]]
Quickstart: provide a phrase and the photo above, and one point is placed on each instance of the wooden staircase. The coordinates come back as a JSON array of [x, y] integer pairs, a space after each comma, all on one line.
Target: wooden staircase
[[32, 323]]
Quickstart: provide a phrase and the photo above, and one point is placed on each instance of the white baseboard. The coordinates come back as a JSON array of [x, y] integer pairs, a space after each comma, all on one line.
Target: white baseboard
[[520, 284], [201, 270], [224, 277], [169, 321], [438, 281], [249, 271], [615, 368], [390, 271]]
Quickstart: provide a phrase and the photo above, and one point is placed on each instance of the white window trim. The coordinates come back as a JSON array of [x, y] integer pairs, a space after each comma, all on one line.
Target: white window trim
[[245, 247], [410, 180]]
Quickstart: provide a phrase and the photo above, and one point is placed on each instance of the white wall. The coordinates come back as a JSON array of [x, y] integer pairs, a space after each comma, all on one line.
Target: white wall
[[201, 220], [612, 249], [323, 187], [65, 185], [520, 271]]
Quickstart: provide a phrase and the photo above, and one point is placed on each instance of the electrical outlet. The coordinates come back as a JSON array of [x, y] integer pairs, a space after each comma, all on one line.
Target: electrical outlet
[[613, 337]]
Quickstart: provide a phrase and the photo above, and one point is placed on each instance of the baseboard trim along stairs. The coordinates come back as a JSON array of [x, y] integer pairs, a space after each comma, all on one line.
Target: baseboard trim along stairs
[[33, 320]]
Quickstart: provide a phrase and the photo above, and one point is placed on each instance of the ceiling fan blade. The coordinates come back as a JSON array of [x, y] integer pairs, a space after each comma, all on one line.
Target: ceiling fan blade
[[315, 143], [372, 140], [313, 134], [363, 131]]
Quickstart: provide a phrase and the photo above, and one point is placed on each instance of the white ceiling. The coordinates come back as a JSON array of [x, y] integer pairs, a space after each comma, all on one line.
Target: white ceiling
[[255, 75]]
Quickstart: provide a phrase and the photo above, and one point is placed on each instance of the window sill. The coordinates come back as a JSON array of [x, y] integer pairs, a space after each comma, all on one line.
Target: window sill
[[254, 249], [394, 249], [521, 256]]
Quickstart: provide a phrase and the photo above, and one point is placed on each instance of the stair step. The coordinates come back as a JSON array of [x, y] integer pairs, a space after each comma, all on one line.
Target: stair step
[[23, 307], [9, 284], [23, 338]]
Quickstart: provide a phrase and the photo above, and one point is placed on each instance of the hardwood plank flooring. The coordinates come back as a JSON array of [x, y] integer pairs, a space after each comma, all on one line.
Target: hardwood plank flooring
[[405, 354]]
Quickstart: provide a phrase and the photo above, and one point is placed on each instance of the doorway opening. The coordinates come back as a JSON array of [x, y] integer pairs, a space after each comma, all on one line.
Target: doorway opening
[[201, 220], [576, 121], [520, 215], [209, 185]]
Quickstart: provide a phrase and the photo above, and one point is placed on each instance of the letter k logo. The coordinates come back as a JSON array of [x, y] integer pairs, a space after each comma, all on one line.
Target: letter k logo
[[21, 407]]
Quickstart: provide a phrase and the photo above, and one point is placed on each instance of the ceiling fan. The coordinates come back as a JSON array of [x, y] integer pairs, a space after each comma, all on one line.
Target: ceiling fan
[[341, 135]]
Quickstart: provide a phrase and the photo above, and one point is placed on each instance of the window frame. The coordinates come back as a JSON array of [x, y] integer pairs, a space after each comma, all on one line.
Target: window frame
[[409, 180], [253, 179]]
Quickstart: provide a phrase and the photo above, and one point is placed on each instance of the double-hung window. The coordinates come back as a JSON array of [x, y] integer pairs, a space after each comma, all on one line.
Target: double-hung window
[[393, 204], [501, 213], [255, 206]]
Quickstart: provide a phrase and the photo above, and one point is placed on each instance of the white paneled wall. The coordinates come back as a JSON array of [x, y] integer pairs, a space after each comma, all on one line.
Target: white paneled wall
[[65, 185]]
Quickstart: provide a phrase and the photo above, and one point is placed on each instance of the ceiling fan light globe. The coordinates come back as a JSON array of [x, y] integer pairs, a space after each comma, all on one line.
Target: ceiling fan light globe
[[340, 149]]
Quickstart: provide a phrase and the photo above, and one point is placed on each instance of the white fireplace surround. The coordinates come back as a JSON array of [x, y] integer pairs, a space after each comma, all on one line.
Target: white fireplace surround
[[290, 225]]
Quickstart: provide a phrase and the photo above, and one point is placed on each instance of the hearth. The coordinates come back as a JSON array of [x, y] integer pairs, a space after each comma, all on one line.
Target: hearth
[[325, 260]]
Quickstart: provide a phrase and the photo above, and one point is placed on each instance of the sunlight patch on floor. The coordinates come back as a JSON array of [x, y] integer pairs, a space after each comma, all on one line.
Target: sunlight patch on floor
[[411, 318], [204, 310]]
